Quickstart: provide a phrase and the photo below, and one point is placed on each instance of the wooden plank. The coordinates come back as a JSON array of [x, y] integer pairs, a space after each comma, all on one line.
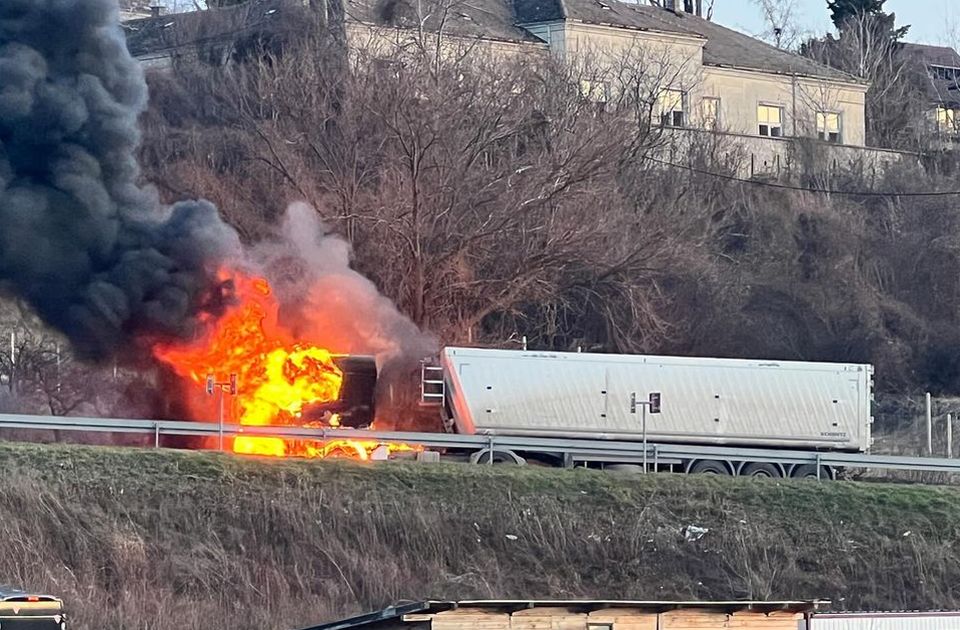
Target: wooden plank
[[625, 618], [758, 621], [470, 619], [693, 620]]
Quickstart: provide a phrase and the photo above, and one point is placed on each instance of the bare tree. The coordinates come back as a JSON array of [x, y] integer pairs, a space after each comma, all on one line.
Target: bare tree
[[867, 49], [781, 26]]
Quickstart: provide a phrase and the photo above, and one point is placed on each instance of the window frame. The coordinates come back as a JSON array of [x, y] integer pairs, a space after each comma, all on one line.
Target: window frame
[[594, 91], [676, 116], [717, 104], [770, 126], [825, 133], [946, 120]]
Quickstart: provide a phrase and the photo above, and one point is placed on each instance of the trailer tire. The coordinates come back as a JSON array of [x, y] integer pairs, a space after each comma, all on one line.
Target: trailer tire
[[708, 467], [624, 469], [809, 471], [499, 458], [770, 471]]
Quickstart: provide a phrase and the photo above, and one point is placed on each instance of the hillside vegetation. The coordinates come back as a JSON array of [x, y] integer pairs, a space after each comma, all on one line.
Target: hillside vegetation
[[162, 539]]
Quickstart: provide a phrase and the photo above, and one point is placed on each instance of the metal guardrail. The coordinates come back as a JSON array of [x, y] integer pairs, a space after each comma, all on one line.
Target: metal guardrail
[[577, 450]]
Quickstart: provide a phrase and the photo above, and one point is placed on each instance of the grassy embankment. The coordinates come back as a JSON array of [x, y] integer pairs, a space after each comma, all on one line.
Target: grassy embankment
[[160, 539]]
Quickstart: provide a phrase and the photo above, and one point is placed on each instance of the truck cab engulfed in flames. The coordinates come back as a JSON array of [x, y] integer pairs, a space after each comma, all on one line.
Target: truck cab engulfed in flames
[[355, 408]]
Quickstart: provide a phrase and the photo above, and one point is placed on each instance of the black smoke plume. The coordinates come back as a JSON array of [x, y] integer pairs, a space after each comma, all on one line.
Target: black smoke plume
[[88, 246]]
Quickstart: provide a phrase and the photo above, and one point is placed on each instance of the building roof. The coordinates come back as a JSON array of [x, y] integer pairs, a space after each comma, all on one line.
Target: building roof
[[941, 86], [478, 19], [487, 19], [724, 47], [165, 33], [932, 55], [428, 607]]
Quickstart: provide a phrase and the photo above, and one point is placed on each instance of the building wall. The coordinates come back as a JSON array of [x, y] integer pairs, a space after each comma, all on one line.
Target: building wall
[[386, 41], [780, 157], [741, 91], [677, 59], [673, 60]]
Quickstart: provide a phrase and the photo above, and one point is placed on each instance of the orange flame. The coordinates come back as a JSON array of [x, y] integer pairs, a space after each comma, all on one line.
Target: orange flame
[[277, 377]]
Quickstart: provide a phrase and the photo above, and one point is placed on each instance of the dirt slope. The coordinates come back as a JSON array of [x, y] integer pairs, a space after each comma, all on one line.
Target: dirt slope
[[162, 539]]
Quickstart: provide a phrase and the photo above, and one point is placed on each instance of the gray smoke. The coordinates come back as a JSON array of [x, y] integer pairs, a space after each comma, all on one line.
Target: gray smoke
[[81, 240], [327, 302]]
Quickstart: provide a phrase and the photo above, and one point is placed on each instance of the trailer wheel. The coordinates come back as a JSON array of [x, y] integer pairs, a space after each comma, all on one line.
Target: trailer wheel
[[499, 458], [761, 470], [809, 471], [708, 467]]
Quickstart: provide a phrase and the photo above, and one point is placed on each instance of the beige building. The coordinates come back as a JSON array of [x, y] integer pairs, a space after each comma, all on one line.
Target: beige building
[[729, 81], [708, 78], [938, 71], [582, 615]]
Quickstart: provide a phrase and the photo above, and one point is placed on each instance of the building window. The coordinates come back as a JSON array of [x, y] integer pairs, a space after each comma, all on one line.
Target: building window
[[770, 118], [671, 108], [828, 127], [710, 112], [595, 91], [945, 73], [947, 118]]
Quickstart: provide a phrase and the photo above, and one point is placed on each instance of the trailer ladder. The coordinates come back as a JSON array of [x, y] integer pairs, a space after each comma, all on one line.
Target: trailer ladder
[[432, 386]]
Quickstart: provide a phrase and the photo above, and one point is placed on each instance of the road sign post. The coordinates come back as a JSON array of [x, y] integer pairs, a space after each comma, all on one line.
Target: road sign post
[[221, 387], [653, 402]]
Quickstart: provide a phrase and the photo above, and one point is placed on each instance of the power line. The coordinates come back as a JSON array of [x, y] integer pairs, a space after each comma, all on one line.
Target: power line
[[826, 191]]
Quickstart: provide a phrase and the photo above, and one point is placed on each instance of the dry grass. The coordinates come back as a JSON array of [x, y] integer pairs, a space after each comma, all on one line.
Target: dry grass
[[160, 539]]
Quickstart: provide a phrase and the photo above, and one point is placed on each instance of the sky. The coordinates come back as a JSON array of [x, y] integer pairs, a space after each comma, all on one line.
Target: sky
[[932, 21]]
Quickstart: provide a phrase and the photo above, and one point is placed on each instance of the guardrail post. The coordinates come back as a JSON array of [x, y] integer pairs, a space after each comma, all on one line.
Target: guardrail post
[[156, 435], [818, 466], [949, 436]]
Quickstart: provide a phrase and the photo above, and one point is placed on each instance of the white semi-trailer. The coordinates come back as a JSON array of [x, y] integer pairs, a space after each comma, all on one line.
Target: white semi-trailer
[[745, 404]]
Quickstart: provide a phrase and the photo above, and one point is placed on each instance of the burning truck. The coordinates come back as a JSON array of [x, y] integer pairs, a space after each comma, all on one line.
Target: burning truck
[[101, 258], [533, 397]]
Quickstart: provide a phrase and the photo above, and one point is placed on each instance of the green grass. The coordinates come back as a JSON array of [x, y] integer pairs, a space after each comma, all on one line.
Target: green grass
[[163, 539]]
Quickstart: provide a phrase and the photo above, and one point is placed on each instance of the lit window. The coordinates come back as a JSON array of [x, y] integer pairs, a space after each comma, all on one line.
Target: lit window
[[711, 112], [770, 118], [671, 108], [595, 91], [947, 120], [828, 126]]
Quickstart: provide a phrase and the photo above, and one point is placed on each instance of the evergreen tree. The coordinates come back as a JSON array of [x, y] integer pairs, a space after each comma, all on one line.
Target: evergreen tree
[[840, 10]]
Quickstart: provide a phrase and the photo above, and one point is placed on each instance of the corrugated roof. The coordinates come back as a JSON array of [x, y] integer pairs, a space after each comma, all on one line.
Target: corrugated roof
[[514, 605], [888, 614]]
